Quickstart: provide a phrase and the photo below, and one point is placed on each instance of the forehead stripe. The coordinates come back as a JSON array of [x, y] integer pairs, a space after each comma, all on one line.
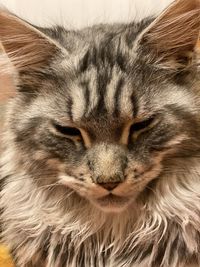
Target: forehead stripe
[[118, 92], [86, 93], [78, 102]]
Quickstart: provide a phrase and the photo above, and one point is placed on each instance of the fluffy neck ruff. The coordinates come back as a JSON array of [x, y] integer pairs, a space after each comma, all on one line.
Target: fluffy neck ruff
[[71, 231]]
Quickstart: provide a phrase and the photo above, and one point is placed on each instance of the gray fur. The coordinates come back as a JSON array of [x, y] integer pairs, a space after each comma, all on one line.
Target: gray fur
[[104, 80]]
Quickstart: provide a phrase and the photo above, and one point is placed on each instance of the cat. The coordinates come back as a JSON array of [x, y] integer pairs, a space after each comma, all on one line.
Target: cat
[[100, 150]]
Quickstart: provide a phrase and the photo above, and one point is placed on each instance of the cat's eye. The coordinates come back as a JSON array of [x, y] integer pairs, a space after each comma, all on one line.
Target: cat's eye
[[68, 131], [142, 125]]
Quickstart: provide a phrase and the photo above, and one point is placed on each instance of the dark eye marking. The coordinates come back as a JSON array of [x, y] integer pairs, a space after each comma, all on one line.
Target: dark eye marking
[[70, 131], [138, 126]]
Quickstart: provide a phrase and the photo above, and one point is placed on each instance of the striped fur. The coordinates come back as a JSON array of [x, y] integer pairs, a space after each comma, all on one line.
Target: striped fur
[[135, 109]]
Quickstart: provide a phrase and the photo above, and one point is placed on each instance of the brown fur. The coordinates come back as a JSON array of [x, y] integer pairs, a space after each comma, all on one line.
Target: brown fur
[[174, 35], [101, 148]]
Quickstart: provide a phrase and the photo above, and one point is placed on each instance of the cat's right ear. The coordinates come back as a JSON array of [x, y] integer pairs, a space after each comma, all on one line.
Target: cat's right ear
[[27, 47], [171, 40]]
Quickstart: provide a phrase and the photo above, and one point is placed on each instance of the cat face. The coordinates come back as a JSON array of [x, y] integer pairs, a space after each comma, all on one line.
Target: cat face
[[107, 148], [105, 112]]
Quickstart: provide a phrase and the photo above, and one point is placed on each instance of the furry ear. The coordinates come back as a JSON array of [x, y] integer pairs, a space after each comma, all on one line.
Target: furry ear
[[172, 38], [26, 46]]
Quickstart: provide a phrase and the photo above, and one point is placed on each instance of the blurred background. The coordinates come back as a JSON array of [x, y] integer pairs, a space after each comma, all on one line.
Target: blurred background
[[76, 14]]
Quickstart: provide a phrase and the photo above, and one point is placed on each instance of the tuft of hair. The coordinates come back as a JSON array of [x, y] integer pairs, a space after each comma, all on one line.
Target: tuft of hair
[[24, 44], [172, 38]]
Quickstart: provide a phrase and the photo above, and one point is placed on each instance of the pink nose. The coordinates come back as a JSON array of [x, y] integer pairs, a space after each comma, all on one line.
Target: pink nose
[[109, 186]]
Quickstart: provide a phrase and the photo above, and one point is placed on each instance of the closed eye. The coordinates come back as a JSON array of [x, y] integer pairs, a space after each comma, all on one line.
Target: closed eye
[[68, 131], [136, 127]]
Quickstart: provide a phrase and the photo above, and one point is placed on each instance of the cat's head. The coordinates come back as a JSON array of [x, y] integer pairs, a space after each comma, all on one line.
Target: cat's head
[[109, 110]]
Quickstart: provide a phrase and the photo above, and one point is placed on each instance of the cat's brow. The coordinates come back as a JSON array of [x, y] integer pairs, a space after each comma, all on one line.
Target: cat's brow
[[102, 96]]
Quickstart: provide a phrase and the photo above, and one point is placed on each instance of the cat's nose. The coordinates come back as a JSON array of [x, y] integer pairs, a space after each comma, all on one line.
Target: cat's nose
[[109, 186]]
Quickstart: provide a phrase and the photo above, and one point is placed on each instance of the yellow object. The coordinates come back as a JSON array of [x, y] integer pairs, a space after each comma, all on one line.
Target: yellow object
[[5, 259]]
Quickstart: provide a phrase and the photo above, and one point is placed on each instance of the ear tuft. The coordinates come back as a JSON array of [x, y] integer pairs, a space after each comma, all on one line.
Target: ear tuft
[[172, 38], [25, 45]]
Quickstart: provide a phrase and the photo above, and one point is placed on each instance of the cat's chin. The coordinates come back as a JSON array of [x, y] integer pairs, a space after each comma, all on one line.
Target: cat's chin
[[112, 203]]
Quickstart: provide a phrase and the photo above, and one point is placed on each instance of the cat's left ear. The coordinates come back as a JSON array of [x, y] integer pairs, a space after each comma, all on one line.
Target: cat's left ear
[[171, 40], [27, 47]]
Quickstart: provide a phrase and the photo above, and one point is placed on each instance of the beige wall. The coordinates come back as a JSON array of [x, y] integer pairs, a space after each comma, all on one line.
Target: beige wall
[[83, 12]]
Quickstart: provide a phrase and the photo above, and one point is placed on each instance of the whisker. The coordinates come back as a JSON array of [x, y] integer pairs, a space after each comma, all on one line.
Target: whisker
[[65, 197], [7, 180], [49, 186]]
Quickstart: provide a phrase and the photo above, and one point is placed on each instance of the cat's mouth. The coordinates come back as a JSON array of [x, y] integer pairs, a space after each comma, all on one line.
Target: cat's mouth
[[112, 203]]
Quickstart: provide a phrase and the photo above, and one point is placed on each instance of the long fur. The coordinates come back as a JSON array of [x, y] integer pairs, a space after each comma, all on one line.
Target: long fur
[[104, 80]]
